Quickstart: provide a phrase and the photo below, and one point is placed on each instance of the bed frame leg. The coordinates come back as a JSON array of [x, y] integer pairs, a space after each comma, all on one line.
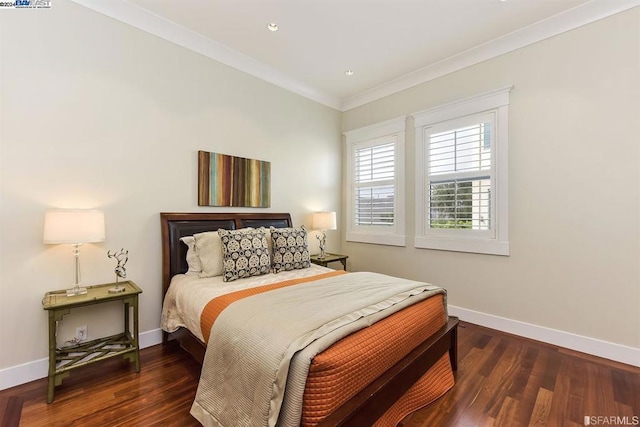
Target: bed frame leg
[[453, 350]]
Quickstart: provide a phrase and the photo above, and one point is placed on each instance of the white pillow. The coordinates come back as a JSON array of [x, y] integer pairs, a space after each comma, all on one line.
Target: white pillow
[[193, 261], [209, 249], [267, 234]]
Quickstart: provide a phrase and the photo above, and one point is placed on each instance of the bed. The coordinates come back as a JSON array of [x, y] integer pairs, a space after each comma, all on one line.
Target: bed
[[367, 404]]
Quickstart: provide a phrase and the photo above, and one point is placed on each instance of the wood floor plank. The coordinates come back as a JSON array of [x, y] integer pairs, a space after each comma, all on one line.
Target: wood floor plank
[[551, 372], [523, 373], [598, 360], [559, 413], [487, 368], [577, 386], [625, 387], [10, 409], [599, 391], [528, 397], [507, 416], [501, 380], [541, 408]]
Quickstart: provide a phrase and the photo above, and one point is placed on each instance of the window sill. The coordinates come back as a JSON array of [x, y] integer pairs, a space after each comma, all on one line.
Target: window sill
[[378, 239], [489, 247]]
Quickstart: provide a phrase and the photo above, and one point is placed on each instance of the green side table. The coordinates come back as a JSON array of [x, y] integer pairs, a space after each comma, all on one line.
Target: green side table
[[64, 359], [330, 258]]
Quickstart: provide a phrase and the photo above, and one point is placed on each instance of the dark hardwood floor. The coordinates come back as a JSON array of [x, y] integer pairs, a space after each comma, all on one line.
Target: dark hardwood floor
[[502, 380]]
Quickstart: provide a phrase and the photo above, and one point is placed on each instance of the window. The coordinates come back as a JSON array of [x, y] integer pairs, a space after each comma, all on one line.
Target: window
[[458, 172], [375, 156], [374, 167], [461, 175]]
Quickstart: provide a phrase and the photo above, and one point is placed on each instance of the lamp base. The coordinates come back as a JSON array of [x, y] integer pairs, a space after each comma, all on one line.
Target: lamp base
[[77, 290], [116, 290], [323, 244]]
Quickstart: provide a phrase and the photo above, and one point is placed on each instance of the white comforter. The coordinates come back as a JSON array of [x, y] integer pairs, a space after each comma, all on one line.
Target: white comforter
[[188, 295]]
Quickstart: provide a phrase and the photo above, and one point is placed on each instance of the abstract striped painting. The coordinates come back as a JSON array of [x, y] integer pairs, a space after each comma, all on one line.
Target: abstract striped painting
[[233, 181]]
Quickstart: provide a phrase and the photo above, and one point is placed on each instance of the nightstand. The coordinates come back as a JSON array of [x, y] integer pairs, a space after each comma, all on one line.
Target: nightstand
[[64, 359], [330, 258]]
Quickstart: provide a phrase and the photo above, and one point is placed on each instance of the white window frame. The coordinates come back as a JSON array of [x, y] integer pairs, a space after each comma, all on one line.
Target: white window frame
[[388, 131], [496, 241]]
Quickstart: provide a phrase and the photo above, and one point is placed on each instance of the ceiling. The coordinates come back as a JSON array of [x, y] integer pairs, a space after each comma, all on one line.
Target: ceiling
[[389, 44]]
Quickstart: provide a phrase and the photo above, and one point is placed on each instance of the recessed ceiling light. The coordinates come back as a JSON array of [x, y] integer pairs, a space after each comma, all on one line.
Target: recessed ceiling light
[[272, 26], [349, 72]]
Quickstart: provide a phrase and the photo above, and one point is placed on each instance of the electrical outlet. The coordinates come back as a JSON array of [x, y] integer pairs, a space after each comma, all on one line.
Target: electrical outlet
[[81, 333]]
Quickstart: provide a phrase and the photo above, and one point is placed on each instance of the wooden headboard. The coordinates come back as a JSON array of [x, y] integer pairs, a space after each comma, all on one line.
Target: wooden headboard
[[177, 225]]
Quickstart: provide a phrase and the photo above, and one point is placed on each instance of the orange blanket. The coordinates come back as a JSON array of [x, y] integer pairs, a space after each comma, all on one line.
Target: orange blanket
[[214, 307], [349, 365]]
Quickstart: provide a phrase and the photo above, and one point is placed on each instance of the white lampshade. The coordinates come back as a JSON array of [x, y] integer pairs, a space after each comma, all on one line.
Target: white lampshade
[[324, 221], [73, 226]]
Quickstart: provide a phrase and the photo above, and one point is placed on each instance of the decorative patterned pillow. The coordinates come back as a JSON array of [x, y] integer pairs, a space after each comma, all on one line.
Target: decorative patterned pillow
[[193, 261], [208, 247], [290, 249], [246, 253]]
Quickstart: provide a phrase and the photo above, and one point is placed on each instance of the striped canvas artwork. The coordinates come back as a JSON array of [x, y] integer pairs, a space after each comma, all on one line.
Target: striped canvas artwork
[[233, 181]]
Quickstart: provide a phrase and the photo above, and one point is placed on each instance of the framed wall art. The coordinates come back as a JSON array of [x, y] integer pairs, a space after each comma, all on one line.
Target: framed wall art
[[225, 180]]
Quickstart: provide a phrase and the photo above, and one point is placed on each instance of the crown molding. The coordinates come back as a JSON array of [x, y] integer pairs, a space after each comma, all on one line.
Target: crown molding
[[552, 26], [149, 22], [144, 20]]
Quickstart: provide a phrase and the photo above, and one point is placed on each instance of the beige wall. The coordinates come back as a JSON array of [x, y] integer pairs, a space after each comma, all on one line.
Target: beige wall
[[97, 114], [574, 185]]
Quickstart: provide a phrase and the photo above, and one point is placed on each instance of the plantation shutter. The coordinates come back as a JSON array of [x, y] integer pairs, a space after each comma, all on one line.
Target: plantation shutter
[[374, 182], [459, 177]]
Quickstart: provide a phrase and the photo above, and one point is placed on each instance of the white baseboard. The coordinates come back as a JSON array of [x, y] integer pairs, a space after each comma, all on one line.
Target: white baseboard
[[593, 346], [149, 338], [31, 371]]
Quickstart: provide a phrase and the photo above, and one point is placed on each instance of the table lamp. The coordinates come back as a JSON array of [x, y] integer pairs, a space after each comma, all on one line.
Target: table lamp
[[75, 227], [323, 221]]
